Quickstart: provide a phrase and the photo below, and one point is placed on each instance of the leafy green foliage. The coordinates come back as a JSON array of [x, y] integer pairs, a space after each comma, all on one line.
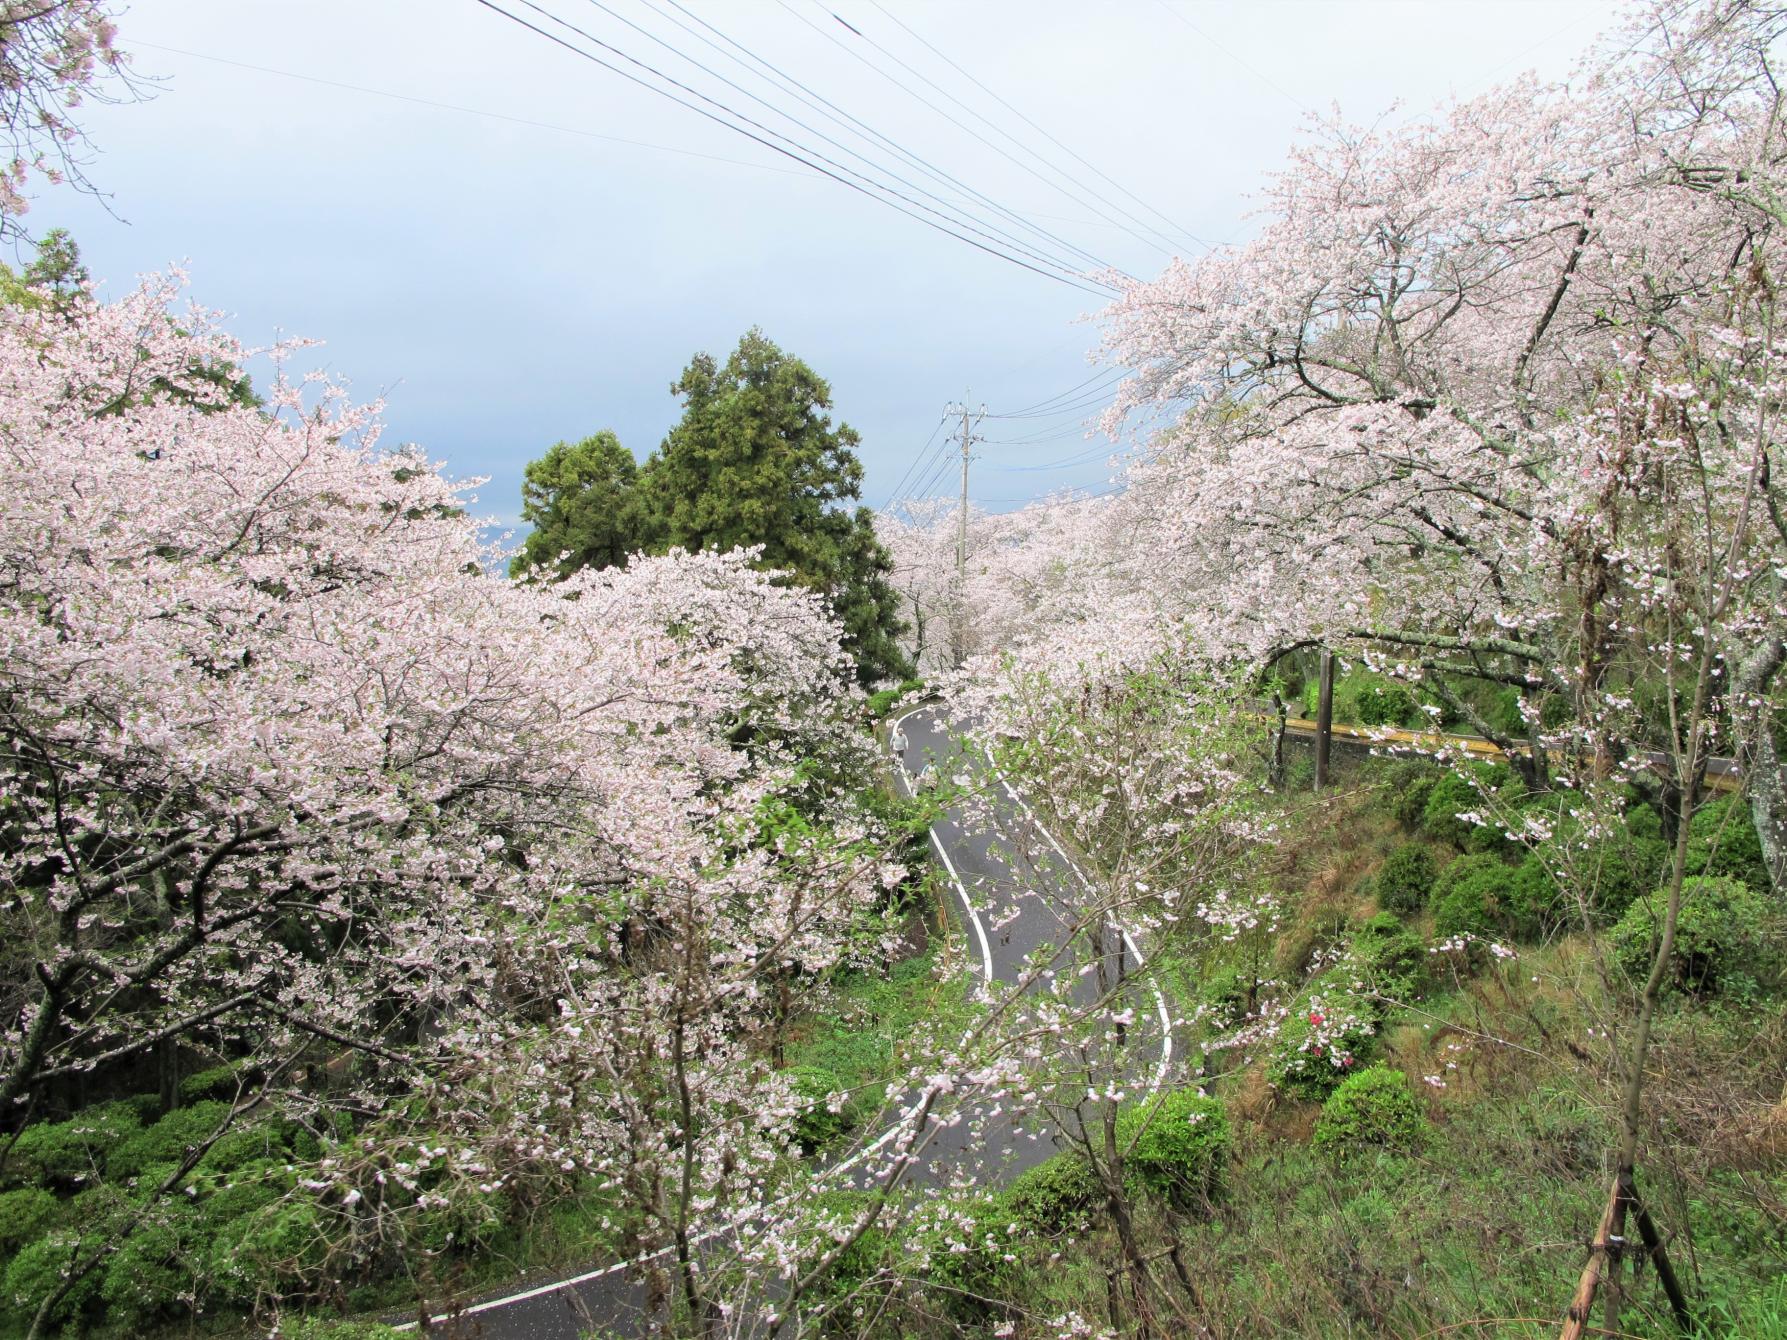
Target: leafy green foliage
[[1366, 699], [1467, 791], [40, 1269], [25, 1214], [1472, 895], [1391, 959], [1724, 938], [1056, 1197], [1177, 1144], [1410, 783], [166, 1142], [1405, 880], [1373, 1108], [1330, 1030], [821, 1120], [583, 502], [1722, 840], [64, 1153]]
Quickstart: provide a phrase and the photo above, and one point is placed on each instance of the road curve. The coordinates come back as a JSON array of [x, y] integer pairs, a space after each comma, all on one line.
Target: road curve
[[998, 878]]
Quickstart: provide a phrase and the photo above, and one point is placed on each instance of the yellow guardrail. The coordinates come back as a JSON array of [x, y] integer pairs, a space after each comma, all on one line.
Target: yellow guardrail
[[1724, 776]]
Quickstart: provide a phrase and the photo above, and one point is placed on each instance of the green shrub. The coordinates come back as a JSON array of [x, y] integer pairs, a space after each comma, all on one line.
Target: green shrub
[[148, 1278], [1057, 1196], [323, 1328], [466, 1220], [1331, 1030], [1371, 1109], [266, 1253], [1481, 788], [882, 701], [250, 1143], [1471, 897], [66, 1152], [1721, 938], [1175, 1145], [167, 1141], [25, 1215], [818, 1125], [1722, 841], [40, 1269], [1410, 785], [967, 1241], [219, 1081], [1405, 880], [1391, 959], [1364, 699], [871, 1251]]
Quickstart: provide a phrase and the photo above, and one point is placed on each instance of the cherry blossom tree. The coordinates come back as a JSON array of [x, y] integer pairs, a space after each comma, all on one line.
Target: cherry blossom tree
[[510, 873], [53, 53]]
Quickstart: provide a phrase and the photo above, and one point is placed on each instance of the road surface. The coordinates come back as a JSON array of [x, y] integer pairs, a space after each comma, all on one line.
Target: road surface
[[1007, 879]]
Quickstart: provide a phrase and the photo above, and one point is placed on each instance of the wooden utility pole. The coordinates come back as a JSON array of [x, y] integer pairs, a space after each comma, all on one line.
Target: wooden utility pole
[[959, 620], [1324, 719]]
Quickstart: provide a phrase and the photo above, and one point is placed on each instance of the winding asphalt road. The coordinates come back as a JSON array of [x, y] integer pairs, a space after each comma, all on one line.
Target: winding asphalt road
[[1008, 880]]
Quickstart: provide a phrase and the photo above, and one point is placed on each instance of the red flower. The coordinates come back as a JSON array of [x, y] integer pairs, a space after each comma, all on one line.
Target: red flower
[[1315, 1016]]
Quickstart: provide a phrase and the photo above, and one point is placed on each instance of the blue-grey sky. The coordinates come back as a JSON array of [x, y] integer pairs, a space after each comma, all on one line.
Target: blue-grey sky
[[505, 276]]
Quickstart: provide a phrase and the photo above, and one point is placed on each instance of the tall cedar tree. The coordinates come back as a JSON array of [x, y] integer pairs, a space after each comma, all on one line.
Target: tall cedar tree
[[755, 460]]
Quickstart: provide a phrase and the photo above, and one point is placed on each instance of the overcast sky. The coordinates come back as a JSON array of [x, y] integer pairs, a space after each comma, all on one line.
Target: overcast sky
[[513, 245]]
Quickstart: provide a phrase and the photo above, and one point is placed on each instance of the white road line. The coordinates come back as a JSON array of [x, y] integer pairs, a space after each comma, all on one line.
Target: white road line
[[980, 930], [1160, 1000], [541, 1290]]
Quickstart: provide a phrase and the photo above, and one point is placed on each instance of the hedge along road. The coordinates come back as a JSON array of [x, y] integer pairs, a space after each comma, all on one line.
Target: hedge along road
[[999, 879]]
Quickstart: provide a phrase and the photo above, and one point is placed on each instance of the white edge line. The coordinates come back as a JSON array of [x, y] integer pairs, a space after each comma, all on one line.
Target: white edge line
[[542, 1290], [980, 930], [1160, 1000]]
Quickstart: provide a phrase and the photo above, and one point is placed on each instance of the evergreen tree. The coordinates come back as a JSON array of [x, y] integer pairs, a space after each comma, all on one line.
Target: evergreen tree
[[582, 500], [757, 460]]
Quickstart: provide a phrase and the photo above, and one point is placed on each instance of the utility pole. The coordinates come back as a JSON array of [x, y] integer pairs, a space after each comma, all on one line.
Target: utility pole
[[959, 612]]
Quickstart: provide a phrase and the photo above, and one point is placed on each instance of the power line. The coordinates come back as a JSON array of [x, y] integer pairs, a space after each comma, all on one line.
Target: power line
[[748, 134], [1014, 242], [954, 121], [467, 111], [1044, 133], [913, 463], [1107, 377], [826, 107], [1094, 195]]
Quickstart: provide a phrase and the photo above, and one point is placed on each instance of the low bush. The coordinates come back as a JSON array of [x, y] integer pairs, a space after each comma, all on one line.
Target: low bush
[[1472, 896], [25, 1215], [1480, 789], [821, 1120], [1330, 1031], [1057, 1196], [148, 1279], [1392, 960], [39, 1270], [1405, 879], [1410, 784], [167, 1141], [1722, 841], [66, 1153], [1371, 1109], [1722, 938], [1175, 1145], [967, 1257], [882, 701]]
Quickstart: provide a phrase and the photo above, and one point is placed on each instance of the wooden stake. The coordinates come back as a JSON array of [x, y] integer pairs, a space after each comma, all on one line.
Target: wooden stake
[[1613, 1220]]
